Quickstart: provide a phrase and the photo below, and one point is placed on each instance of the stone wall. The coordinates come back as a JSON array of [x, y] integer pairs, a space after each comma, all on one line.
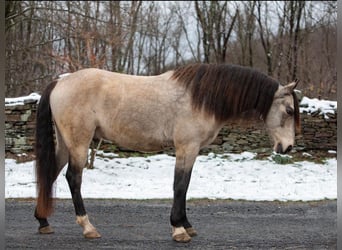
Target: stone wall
[[318, 133], [20, 127]]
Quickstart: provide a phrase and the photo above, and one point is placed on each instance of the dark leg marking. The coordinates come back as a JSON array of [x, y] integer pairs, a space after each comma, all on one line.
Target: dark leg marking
[[74, 177], [178, 213], [42, 221], [44, 227]]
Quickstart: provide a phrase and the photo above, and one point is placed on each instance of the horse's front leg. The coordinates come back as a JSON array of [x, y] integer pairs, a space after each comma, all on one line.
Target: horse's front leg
[[181, 228], [74, 177]]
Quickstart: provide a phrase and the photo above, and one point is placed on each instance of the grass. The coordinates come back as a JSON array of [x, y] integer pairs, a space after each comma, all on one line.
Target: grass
[[315, 156], [282, 159]]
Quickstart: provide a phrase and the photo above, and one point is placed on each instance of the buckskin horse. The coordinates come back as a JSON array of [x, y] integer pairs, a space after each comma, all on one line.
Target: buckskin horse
[[184, 108]]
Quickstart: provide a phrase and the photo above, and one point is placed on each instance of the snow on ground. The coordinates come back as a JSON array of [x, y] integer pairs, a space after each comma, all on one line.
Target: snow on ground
[[234, 176], [311, 105]]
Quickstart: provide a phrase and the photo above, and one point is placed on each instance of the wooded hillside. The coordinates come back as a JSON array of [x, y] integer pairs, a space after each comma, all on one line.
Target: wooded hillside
[[285, 39]]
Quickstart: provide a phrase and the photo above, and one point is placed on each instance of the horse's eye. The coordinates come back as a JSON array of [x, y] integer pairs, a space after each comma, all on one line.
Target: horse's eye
[[289, 111]]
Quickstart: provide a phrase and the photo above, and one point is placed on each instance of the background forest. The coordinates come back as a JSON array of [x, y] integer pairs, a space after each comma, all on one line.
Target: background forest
[[284, 39]]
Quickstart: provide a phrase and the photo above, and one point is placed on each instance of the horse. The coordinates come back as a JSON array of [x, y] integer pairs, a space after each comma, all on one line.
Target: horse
[[183, 108]]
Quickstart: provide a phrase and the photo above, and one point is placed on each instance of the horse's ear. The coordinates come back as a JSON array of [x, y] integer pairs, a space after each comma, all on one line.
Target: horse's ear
[[287, 89], [291, 86]]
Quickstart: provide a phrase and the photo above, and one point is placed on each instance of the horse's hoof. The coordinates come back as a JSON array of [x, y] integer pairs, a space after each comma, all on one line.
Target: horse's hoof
[[92, 235], [191, 231], [183, 238], [46, 230], [179, 234]]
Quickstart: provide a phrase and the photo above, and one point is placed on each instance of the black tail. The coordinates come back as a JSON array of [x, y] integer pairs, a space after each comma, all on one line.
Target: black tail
[[46, 168]]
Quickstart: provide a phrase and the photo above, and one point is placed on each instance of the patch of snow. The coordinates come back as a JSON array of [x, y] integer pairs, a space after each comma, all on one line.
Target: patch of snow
[[226, 176], [63, 75], [34, 97], [323, 106]]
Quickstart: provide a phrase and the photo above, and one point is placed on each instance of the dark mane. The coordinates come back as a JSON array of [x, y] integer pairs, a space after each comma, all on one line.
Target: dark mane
[[227, 91]]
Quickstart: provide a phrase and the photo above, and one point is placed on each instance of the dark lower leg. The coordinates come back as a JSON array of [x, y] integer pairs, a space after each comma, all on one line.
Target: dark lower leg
[[74, 177], [42, 221], [178, 213]]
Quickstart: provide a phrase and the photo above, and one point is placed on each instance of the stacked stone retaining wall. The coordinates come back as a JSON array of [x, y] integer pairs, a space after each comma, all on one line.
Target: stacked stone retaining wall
[[318, 133]]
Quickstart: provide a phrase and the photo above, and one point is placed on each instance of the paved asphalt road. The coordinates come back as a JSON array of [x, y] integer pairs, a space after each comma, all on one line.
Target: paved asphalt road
[[145, 225]]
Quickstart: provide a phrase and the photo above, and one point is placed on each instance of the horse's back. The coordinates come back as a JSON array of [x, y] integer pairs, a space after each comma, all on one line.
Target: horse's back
[[97, 89], [134, 111]]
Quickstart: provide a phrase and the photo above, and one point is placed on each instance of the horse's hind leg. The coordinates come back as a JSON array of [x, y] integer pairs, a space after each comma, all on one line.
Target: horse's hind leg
[[77, 160], [62, 156]]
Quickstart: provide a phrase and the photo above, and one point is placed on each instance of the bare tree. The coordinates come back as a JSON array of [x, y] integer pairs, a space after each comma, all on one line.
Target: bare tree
[[265, 33], [128, 60], [158, 43], [26, 37], [184, 9], [217, 24], [245, 31], [286, 39], [294, 10]]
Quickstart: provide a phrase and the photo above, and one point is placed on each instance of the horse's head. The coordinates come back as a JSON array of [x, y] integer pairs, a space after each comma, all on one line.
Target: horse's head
[[282, 120]]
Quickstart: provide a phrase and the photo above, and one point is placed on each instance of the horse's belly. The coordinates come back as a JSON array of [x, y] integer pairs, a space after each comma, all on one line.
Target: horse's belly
[[138, 140], [147, 145]]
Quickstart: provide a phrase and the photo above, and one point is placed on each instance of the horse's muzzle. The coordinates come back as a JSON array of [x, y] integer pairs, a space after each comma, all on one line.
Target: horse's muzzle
[[280, 150]]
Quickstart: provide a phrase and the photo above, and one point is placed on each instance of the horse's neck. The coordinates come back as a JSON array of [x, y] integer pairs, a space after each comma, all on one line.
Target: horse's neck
[[246, 119]]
